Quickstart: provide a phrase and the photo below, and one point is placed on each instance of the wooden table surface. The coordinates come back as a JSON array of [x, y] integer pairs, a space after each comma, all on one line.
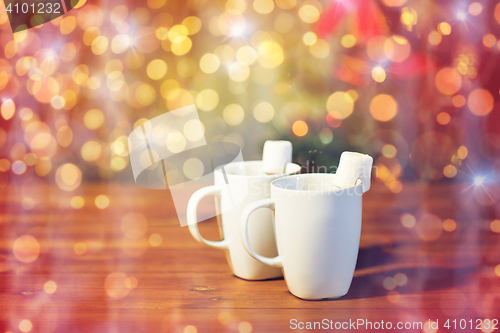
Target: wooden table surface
[[184, 286]]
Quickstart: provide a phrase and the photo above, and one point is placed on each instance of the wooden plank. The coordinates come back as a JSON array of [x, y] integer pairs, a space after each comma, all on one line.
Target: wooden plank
[[182, 282]]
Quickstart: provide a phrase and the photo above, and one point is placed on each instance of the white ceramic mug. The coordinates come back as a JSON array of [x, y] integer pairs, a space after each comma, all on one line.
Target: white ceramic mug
[[318, 227], [247, 183]]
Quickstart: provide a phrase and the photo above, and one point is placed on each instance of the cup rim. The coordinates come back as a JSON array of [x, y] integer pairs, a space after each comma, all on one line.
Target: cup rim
[[263, 176], [312, 175]]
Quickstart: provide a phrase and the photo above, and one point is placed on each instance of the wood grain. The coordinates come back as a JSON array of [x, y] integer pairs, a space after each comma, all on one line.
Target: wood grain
[[182, 282]]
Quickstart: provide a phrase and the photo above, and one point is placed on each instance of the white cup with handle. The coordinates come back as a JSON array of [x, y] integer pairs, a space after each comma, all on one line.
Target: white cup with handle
[[249, 183], [318, 228]]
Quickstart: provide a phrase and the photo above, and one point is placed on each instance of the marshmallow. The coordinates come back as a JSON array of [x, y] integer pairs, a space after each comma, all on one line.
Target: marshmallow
[[352, 168], [276, 155]]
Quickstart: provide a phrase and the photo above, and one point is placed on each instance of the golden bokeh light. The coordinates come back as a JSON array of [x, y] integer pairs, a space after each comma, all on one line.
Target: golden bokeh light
[[43, 166], [8, 109], [449, 225], [496, 13], [429, 227], [263, 6], [286, 4], [239, 71], [101, 201], [270, 54], [341, 103], [193, 168], [131, 282], [448, 81], [397, 48], [393, 296], [80, 248], [91, 151], [497, 270], [309, 13], [378, 74], [155, 240], [68, 24], [348, 41], [176, 142], [480, 102], [119, 14], [191, 328], [309, 38], [235, 7], [207, 100], [181, 46], [58, 102], [489, 40], [320, 49], [434, 38], [225, 53], [64, 136], [444, 28], [394, 3], [495, 226], [244, 327], [300, 128], [193, 24], [25, 325], [77, 202], [156, 69], [99, 45], [450, 171], [408, 220], [26, 249], [246, 54], [155, 4], [118, 163], [93, 119], [29, 159], [233, 114], [475, 8], [389, 151], [400, 279], [193, 130], [68, 177], [145, 94], [408, 18], [90, 35], [383, 107], [50, 287], [395, 186], [4, 165], [462, 152], [389, 283], [209, 63], [120, 43], [18, 167], [263, 112], [458, 101], [443, 118]]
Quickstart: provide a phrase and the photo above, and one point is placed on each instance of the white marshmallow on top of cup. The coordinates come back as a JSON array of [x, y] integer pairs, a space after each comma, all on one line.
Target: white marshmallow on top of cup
[[275, 157], [352, 168]]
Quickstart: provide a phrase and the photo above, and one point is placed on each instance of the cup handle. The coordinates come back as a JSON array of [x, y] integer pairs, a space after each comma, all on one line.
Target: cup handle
[[245, 239], [192, 216]]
